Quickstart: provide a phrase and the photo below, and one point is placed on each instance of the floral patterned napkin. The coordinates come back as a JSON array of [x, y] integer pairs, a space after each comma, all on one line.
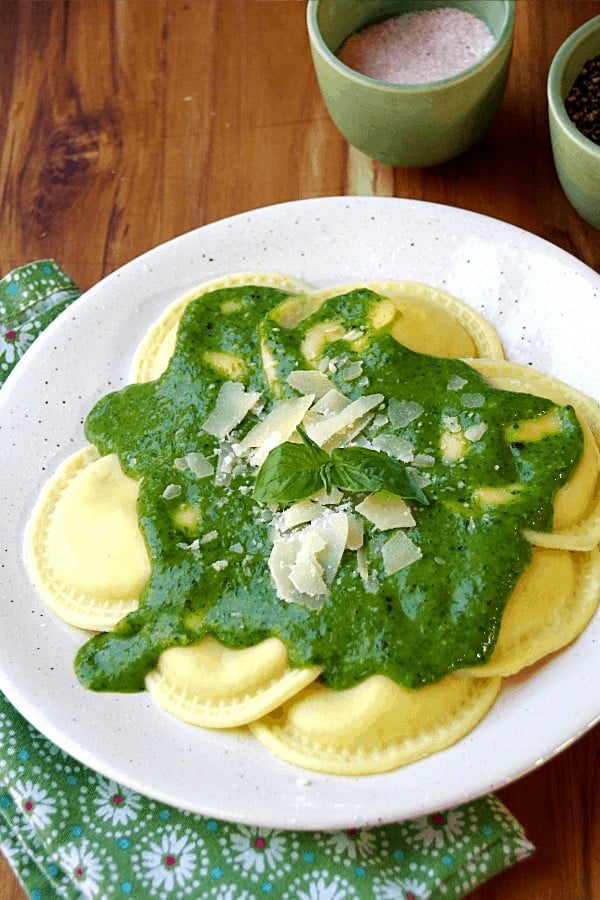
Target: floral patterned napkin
[[69, 832]]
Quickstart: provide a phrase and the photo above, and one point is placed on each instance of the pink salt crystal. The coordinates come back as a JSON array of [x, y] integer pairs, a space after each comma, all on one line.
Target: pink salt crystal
[[418, 47]]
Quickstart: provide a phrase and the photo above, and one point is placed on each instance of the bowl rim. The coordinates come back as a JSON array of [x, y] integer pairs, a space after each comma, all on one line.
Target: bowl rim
[[319, 45], [556, 102]]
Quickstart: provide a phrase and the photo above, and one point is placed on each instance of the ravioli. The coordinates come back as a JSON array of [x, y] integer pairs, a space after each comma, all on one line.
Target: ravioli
[[352, 629], [152, 356], [376, 725], [576, 519], [208, 685], [83, 548]]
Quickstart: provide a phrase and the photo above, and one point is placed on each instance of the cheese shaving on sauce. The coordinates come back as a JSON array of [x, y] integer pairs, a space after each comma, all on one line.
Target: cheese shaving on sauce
[[303, 564], [276, 428], [386, 511], [310, 536], [232, 406], [399, 552], [310, 381], [336, 430]]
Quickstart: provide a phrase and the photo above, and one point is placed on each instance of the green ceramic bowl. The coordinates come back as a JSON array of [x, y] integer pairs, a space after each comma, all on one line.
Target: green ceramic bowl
[[576, 157], [409, 124]]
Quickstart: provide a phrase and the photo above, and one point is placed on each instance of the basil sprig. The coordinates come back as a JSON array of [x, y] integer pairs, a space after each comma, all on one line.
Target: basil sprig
[[295, 471]]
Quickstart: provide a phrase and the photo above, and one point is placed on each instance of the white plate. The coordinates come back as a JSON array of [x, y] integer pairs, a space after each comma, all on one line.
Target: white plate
[[546, 306]]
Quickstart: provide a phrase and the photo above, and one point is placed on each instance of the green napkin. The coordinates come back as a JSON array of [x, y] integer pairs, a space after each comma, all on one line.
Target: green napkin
[[67, 831]]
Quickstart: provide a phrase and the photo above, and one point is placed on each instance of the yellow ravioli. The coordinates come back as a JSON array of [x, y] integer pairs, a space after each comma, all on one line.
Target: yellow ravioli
[[553, 601], [576, 522], [376, 725], [208, 685], [421, 317], [83, 548], [153, 354], [417, 315], [432, 321]]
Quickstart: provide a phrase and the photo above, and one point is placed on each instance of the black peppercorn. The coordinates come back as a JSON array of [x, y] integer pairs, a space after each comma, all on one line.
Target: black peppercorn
[[583, 100]]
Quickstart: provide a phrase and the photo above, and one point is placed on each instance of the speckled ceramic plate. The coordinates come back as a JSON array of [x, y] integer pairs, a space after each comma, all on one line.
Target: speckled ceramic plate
[[546, 307]]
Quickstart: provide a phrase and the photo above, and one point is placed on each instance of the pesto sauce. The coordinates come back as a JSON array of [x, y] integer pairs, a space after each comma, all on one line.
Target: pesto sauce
[[210, 572]]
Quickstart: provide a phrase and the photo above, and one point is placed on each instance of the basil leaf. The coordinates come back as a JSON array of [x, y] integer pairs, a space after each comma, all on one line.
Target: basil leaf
[[308, 442], [290, 472], [317, 456], [326, 465], [358, 469], [398, 480], [295, 471], [325, 473]]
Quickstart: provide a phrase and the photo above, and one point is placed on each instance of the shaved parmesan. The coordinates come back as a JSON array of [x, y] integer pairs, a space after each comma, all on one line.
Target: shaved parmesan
[[333, 498], [337, 429], [472, 400], [386, 511], [424, 459], [380, 421], [199, 465], [274, 429], [369, 579], [306, 574], [403, 412], [356, 533], [394, 445], [456, 383], [451, 423], [298, 514], [309, 381], [196, 463], [399, 552], [352, 370], [281, 559], [232, 406], [226, 461], [334, 527], [304, 563], [420, 478], [331, 403], [475, 432]]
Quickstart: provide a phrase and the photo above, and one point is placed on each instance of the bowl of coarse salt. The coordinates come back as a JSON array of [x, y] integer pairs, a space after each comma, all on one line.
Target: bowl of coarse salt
[[574, 118], [411, 82]]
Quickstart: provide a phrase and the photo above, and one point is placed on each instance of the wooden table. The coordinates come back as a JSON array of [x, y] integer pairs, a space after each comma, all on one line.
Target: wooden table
[[127, 123]]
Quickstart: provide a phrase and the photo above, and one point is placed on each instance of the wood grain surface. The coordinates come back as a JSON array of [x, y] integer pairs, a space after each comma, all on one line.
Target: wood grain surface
[[126, 123]]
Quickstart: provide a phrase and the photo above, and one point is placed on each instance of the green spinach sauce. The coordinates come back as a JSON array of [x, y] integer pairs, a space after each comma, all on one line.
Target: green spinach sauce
[[209, 547]]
